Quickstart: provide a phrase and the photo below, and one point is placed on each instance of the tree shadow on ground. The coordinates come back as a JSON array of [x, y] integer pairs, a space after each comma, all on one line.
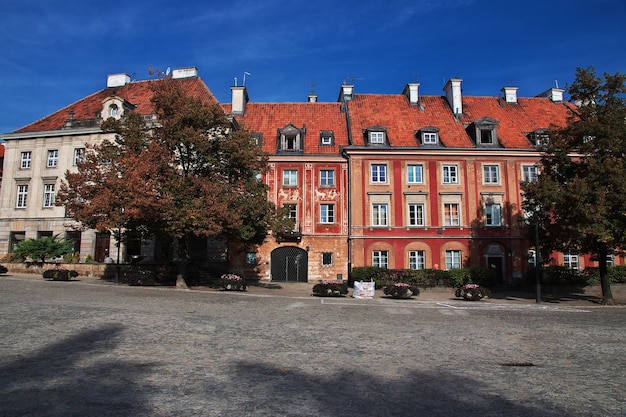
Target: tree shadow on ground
[[547, 297], [264, 389], [64, 378]]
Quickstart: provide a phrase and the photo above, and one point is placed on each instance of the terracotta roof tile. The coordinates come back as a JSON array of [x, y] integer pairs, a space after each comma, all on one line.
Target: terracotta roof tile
[[267, 118], [402, 120], [136, 93]]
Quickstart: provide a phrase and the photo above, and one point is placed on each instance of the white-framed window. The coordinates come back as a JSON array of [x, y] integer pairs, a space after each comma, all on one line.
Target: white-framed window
[[451, 214], [26, 159], [53, 158], [450, 174], [22, 195], [453, 259], [417, 259], [79, 155], [377, 137], [48, 195], [493, 214], [429, 138], [491, 174], [290, 177], [327, 177], [292, 213], [379, 173], [414, 174], [610, 260], [570, 261], [380, 258], [415, 213], [327, 213], [380, 215], [530, 173]]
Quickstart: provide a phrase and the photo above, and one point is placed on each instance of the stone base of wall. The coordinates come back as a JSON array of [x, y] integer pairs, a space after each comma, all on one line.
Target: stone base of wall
[[95, 270]]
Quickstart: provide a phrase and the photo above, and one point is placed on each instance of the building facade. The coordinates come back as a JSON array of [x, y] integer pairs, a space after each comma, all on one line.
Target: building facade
[[390, 180], [38, 155]]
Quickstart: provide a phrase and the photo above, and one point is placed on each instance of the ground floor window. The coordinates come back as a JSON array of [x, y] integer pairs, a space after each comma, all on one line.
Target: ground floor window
[[417, 259], [570, 261], [327, 258], [380, 258], [453, 259], [74, 237], [15, 238]]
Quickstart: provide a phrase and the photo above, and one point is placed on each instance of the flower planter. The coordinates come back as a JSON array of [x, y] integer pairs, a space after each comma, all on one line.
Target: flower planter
[[330, 289], [232, 282], [401, 291], [472, 292]]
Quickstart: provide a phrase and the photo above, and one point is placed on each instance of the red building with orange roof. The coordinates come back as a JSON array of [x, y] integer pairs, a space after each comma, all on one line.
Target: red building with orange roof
[[307, 175], [435, 181]]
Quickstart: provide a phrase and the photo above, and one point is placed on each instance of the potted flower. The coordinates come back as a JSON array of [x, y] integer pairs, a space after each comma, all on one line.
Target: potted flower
[[59, 274], [472, 292], [330, 289], [401, 290], [232, 282]]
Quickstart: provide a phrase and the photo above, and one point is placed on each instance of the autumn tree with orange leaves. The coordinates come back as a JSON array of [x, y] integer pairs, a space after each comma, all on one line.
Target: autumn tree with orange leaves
[[191, 175]]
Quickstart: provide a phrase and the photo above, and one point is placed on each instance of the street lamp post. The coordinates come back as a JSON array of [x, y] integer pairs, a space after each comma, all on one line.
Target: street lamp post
[[538, 265], [538, 261]]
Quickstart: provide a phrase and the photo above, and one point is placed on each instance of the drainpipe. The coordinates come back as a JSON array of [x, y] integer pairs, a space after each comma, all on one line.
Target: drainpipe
[[349, 191]]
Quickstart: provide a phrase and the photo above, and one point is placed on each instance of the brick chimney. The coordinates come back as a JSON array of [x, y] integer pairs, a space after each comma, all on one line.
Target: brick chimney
[[117, 80], [239, 99], [554, 94], [453, 94], [510, 94], [411, 91], [346, 92], [188, 72]]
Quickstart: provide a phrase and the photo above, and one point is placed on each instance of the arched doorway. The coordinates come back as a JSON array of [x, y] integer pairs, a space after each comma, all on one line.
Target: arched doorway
[[289, 264]]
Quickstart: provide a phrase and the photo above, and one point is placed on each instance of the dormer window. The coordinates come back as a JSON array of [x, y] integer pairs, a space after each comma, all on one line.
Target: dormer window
[[540, 138], [257, 138], [485, 132], [113, 110], [428, 135], [114, 107], [376, 135], [327, 137], [290, 139]]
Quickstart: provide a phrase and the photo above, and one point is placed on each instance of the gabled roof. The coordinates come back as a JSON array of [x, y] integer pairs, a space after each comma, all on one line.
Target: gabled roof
[[138, 94], [516, 120], [402, 120], [268, 118]]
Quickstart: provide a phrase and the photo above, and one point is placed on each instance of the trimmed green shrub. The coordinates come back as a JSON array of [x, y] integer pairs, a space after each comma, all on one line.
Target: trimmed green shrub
[[424, 278]]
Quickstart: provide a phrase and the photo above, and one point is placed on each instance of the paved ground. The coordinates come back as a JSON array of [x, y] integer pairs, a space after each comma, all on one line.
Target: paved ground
[[88, 348]]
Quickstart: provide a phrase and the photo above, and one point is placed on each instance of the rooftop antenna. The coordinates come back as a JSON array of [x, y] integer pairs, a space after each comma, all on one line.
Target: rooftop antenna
[[167, 71], [244, 77]]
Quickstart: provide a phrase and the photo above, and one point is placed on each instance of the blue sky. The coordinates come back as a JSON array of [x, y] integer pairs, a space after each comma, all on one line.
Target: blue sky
[[54, 53]]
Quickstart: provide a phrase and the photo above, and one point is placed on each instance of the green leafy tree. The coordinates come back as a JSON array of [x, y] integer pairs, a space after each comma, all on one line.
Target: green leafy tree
[[191, 175], [48, 247], [579, 200]]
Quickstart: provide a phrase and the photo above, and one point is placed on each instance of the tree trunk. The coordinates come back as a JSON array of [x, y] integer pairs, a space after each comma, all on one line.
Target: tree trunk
[[605, 283], [181, 272], [180, 275]]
